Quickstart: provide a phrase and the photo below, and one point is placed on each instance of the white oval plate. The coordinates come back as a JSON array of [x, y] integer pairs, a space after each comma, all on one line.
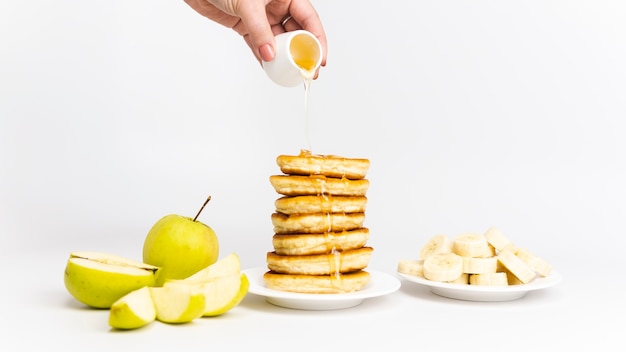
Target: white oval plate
[[380, 284], [484, 293]]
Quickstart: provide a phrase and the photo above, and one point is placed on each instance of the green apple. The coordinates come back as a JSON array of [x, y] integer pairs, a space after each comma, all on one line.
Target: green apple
[[177, 304], [132, 311], [222, 283], [180, 246], [99, 279]]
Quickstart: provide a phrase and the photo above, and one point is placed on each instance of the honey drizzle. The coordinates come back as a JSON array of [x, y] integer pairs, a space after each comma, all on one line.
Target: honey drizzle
[[334, 255], [307, 88]]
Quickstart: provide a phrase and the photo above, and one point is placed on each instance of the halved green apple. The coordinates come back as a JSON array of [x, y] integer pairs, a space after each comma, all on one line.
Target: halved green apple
[[99, 279]]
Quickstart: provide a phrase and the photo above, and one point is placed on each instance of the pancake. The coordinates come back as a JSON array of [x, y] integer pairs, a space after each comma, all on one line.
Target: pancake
[[327, 165], [294, 185], [320, 264], [316, 223], [343, 283], [320, 204], [320, 243]]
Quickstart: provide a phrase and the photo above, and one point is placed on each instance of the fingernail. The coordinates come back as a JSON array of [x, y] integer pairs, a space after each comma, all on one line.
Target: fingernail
[[267, 52]]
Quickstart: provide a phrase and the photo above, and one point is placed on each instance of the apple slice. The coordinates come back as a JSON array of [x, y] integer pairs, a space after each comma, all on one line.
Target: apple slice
[[223, 284], [221, 293], [99, 279], [225, 294], [228, 265], [132, 311], [177, 304]]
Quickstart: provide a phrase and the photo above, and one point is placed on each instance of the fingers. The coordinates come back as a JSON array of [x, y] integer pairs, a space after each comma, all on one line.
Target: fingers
[[258, 21], [261, 22], [290, 24], [260, 36], [210, 11]]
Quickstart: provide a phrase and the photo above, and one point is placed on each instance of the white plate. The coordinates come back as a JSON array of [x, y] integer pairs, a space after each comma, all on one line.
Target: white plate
[[380, 284], [482, 293]]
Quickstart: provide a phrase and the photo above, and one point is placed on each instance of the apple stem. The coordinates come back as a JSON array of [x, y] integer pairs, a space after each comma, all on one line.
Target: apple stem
[[203, 205]]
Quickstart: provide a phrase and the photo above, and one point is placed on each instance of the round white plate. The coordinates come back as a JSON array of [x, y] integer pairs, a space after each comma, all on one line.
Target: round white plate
[[484, 293], [380, 284]]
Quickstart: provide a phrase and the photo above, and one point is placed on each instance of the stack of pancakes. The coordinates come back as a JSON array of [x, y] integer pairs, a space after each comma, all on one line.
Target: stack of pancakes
[[319, 240]]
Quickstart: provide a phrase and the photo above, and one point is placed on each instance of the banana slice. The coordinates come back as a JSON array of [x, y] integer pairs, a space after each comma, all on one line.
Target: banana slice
[[472, 245], [413, 267], [462, 280], [539, 265], [497, 239], [480, 265], [510, 278], [490, 279], [516, 266], [437, 244], [443, 267]]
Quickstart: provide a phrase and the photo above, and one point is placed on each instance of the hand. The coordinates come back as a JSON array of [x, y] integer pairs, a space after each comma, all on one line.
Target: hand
[[258, 21]]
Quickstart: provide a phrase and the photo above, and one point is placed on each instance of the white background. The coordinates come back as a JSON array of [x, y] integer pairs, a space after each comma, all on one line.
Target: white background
[[472, 113]]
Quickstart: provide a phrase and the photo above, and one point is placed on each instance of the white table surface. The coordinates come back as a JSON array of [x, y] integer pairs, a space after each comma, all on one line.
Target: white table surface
[[586, 310]]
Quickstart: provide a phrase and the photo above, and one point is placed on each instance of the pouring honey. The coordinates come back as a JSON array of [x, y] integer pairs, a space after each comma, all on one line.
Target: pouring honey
[[298, 56]]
